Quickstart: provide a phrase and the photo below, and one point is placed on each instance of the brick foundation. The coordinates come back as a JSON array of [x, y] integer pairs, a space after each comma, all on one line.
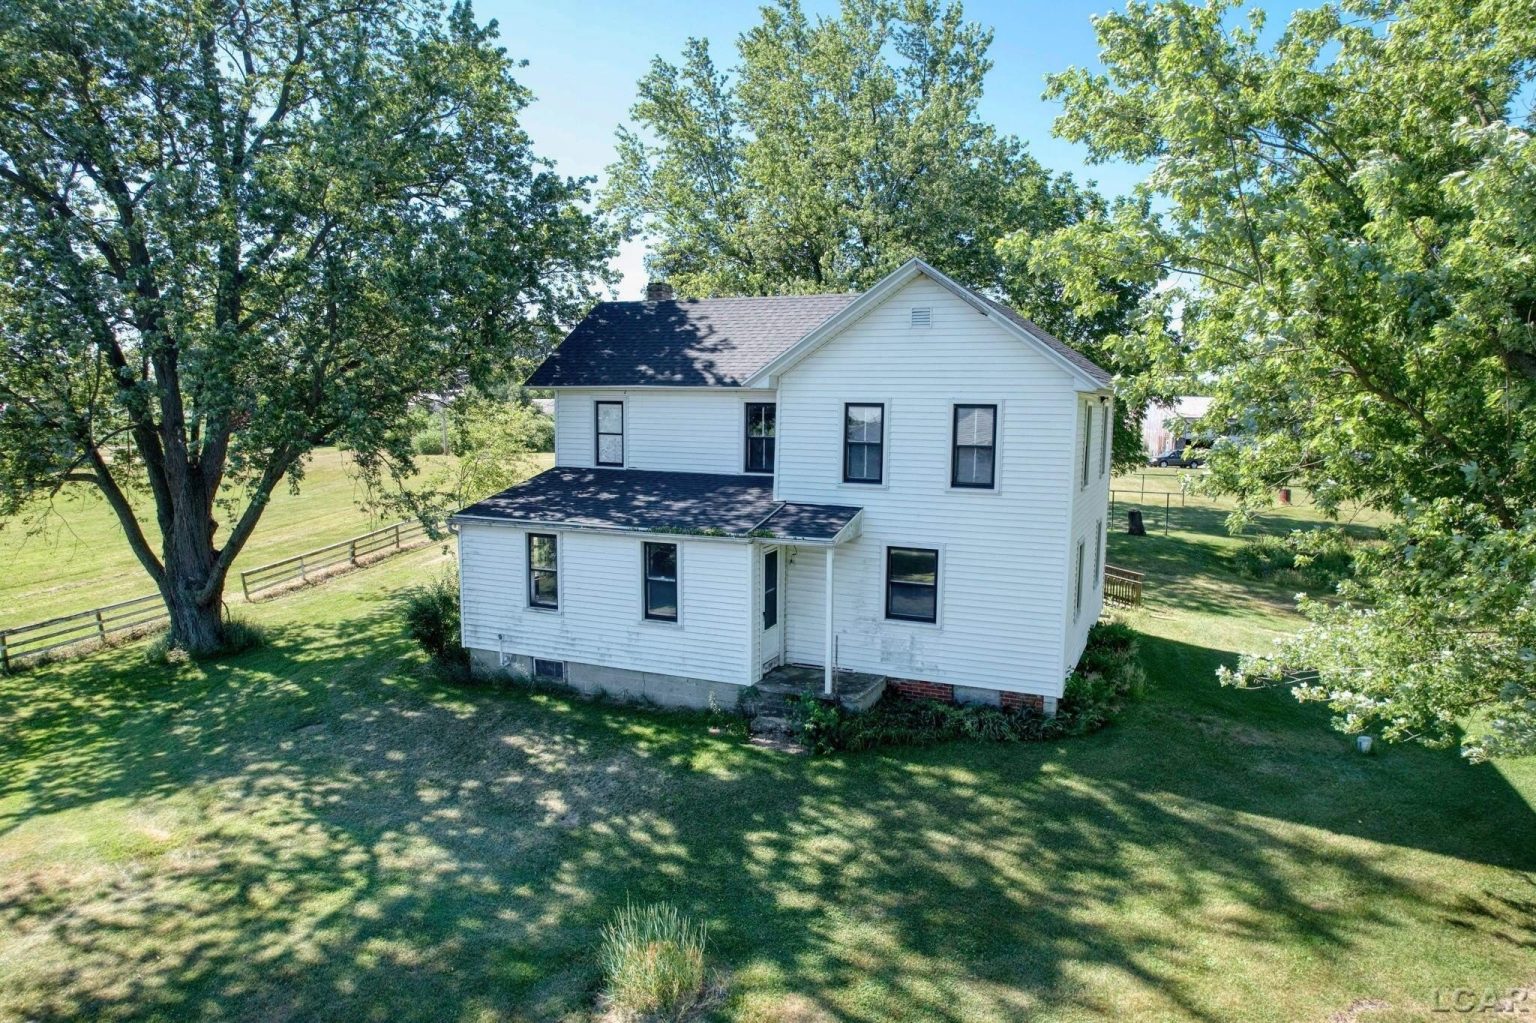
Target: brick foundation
[[943, 692], [915, 690], [1018, 701]]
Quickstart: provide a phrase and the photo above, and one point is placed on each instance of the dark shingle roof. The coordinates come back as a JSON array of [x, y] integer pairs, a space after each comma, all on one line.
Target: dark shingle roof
[[647, 501], [707, 342], [1072, 355]]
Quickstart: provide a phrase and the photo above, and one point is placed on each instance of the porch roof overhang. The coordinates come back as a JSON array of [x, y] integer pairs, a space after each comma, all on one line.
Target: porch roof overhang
[[704, 505]]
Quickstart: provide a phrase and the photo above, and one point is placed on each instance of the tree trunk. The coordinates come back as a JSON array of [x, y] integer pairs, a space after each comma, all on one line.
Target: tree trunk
[[196, 628], [191, 562]]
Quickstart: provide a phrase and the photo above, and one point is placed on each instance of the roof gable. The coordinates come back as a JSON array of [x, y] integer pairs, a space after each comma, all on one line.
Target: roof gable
[[1089, 375], [711, 342]]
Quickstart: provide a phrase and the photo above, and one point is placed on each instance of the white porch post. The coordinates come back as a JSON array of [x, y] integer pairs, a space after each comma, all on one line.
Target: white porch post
[[827, 658]]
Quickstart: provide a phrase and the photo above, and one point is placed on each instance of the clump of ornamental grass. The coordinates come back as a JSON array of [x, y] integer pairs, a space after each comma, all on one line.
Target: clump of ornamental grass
[[653, 962]]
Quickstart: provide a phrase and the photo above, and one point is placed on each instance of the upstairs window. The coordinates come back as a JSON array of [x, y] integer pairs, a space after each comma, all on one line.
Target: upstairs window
[[543, 571], [912, 584], [863, 443], [1087, 441], [974, 461], [1104, 441], [610, 433], [661, 582], [761, 429]]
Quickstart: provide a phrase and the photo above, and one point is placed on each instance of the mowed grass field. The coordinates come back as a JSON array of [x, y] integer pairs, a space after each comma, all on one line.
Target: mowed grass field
[[321, 830], [75, 558]]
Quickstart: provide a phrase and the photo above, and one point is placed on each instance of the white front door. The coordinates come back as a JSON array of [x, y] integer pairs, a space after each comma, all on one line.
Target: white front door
[[770, 621]]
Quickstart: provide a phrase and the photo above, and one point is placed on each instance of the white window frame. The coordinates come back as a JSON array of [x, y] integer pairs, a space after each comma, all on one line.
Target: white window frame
[[645, 619], [623, 461], [882, 579], [1077, 595], [746, 444], [1098, 553], [1104, 440], [997, 445], [1086, 433], [528, 572], [842, 445]]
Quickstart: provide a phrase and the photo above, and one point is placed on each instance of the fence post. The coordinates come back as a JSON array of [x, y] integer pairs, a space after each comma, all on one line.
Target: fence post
[[5, 654], [352, 551], [303, 572], [245, 587], [397, 536], [101, 627]]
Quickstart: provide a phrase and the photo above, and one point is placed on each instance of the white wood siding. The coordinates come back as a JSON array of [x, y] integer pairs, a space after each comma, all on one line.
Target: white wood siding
[[686, 430], [600, 618], [804, 599], [1090, 512], [1004, 560]]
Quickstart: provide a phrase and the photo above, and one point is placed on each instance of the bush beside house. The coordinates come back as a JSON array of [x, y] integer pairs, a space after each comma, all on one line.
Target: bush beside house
[[1108, 675]]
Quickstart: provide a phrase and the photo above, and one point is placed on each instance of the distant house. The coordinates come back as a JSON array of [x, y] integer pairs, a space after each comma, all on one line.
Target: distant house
[[1167, 426], [910, 484]]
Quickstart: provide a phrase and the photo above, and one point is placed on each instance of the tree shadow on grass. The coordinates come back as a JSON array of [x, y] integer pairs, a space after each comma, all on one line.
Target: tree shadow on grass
[[351, 840]]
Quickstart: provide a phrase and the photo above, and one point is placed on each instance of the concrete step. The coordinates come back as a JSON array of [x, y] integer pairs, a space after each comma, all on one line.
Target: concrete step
[[773, 724]]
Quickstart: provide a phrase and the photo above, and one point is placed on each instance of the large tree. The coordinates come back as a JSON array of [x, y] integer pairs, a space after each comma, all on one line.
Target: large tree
[[233, 230], [837, 148], [833, 151], [1345, 222]]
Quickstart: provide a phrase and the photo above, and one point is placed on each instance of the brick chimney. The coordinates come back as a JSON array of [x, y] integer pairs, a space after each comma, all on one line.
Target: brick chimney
[[658, 291]]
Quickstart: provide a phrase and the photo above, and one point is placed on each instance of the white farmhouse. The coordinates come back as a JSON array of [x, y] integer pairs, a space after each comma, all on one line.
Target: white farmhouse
[[909, 485]]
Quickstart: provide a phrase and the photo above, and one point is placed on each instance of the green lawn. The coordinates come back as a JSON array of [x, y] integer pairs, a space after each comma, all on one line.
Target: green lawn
[[318, 830], [78, 558]]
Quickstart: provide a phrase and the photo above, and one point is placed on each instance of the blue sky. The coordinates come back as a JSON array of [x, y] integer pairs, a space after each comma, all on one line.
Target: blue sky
[[584, 60]]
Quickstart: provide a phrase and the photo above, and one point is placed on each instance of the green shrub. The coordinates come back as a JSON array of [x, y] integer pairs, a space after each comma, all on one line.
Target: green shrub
[[1314, 558], [162, 653], [653, 961], [1263, 556], [240, 635], [431, 614], [1108, 675], [428, 442]]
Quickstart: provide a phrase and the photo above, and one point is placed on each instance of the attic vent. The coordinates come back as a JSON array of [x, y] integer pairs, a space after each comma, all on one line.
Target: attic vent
[[922, 316]]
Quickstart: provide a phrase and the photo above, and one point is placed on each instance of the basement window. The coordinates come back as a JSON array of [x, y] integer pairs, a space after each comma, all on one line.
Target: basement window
[[549, 669]]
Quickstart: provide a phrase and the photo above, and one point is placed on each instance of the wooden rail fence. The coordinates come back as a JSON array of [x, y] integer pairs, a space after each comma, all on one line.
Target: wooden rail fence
[[389, 540], [25, 642], [96, 625], [1122, 586]]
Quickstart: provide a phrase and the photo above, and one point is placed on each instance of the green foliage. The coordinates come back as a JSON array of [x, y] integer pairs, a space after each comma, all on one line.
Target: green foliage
[[1345, 221], [1407, 614], [239, 636], [497, 443], [836, 149], [653, 961], [428, 442], [431, 615], [231, 233], [1316, 558], [1108, 675]]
